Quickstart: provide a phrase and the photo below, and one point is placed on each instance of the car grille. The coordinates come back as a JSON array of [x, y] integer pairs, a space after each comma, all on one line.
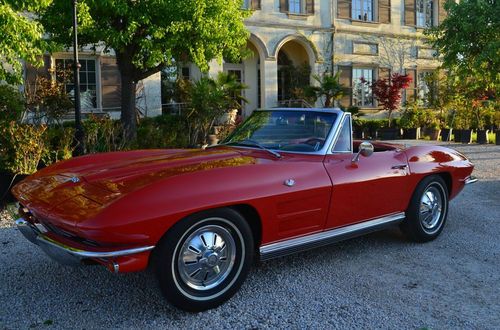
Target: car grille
[[27, 215]]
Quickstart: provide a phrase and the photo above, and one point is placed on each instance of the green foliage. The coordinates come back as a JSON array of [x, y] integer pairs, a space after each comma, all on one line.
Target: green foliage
[[209, 100], [11, 104], [328, 89], [47, 101], [21, 147], [103, 134], [20, 37], [294, 79], [468, 41], [164, 131], [59, 141]]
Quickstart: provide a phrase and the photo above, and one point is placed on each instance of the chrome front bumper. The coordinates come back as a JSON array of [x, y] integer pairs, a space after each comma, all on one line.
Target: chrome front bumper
[[471, 179], [65, 254]]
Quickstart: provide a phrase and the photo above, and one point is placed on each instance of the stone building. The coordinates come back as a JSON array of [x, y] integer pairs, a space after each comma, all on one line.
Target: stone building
[[290, 40]]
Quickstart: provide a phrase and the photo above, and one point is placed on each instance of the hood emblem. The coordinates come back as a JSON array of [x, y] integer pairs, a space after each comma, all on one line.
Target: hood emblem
[[289, 182], [74, 179]]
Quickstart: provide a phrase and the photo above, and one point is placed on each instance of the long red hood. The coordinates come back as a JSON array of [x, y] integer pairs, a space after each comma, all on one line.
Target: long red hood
[[78, 188]]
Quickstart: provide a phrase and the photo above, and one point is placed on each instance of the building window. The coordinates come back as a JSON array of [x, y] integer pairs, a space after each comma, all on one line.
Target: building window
[[424, 89], [424, 10], [295, 6], [88, 80], [251, 4], [362, 10], [362, 93]]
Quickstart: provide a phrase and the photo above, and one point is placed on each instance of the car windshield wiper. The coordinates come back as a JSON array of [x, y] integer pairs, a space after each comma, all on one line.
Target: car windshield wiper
[[249, 143]]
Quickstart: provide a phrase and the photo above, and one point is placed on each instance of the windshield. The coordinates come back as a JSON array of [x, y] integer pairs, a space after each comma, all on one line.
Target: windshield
[[301, 131]]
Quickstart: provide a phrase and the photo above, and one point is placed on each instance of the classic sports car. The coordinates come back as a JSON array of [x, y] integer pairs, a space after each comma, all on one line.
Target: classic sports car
[[286, 180]]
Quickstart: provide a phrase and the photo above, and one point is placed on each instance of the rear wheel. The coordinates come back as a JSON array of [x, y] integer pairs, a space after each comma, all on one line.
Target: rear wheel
[[203, 260], [428, 210]]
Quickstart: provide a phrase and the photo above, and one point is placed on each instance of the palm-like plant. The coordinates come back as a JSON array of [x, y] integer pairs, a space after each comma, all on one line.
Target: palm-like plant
[[329, 89], [210, 99]]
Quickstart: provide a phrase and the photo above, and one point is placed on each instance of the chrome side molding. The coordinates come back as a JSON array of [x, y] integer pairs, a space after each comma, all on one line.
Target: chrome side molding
[[279, 249], [470, 179]]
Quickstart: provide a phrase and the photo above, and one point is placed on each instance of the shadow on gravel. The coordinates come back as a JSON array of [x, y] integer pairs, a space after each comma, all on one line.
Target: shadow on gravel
[[32, 280]]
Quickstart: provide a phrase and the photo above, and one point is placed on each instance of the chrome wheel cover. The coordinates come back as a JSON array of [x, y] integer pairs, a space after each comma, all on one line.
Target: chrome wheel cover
[[431, 208], [206, 257]]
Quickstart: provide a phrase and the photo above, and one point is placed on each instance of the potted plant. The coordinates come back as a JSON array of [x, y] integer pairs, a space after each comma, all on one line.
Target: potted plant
[[410, 120], [387, 91]]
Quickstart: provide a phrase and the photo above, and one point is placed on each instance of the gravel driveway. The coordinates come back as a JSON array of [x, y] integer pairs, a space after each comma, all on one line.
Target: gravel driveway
[[377, 281]]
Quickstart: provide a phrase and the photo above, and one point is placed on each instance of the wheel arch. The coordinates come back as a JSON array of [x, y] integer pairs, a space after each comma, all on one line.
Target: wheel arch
[[446, 176], [248, 212], [251, 215]]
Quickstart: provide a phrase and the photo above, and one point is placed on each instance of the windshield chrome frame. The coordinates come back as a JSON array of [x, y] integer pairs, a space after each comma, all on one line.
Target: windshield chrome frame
[[330, 139]]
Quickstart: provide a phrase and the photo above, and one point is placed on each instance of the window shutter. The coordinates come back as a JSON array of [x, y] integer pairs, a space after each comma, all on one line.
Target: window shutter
[[344, 8], [411, 90], [441, 11], [384, 73], [345, 78], [255, 5], [310, 7], [410, 12], [284, 6], [384, 11], [110, 83]]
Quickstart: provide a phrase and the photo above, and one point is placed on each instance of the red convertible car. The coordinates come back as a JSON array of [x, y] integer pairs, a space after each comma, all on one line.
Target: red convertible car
[[285, 181]]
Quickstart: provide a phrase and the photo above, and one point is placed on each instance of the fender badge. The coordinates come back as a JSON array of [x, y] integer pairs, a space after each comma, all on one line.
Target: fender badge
[[289, 182]]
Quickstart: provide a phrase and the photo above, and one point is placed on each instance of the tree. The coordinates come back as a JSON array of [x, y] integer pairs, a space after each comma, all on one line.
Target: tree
[[209, 99], [20, 37], [468, 41], [328, 89], [148, 35], [388, 91]]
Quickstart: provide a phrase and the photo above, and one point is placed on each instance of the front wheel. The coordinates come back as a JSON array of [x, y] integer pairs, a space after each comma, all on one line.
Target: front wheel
[[428, 210], [203, 260]]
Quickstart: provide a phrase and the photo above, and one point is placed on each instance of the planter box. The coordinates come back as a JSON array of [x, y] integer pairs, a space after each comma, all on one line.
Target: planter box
[[433, 133], [466, 136], [388, 133], [446, 134], [497, 137], [458, 135], [358, 134], [411, 133], [482, 136]]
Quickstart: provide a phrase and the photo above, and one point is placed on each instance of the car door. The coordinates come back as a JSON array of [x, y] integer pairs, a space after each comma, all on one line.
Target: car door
[[372, 187]]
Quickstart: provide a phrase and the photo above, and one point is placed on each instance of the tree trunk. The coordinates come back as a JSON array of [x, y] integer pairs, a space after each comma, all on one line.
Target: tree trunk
[[128, 115], [128, 96]]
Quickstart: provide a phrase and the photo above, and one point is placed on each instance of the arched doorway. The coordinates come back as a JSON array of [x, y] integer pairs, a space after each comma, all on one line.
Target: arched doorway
[[294, 71]]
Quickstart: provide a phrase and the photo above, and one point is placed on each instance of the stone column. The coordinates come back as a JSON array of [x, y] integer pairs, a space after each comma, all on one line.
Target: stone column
[[269, 83]]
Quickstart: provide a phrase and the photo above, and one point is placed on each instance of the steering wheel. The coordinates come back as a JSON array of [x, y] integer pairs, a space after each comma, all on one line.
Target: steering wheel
[[315, 142]]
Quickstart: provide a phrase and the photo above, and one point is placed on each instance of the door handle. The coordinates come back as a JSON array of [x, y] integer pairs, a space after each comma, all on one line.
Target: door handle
[[400, 167]]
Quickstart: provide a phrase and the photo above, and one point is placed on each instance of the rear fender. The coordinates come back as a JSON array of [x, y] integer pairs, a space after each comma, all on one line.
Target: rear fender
[[453, 166]]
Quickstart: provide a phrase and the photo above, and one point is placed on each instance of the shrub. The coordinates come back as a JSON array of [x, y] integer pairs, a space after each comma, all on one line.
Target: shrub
[[59, 142], [166, 131], [22, 147], [47, 101], [102, 134], [11, 105]]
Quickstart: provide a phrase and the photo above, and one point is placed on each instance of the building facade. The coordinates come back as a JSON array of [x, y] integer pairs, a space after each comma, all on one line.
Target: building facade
[[290, 41]]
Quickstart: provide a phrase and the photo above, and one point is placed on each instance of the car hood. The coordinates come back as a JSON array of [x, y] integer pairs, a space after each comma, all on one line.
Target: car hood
[[86, 184]]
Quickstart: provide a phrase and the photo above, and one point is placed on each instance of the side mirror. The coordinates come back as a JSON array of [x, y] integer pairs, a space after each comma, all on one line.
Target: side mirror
[[365, 148]]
